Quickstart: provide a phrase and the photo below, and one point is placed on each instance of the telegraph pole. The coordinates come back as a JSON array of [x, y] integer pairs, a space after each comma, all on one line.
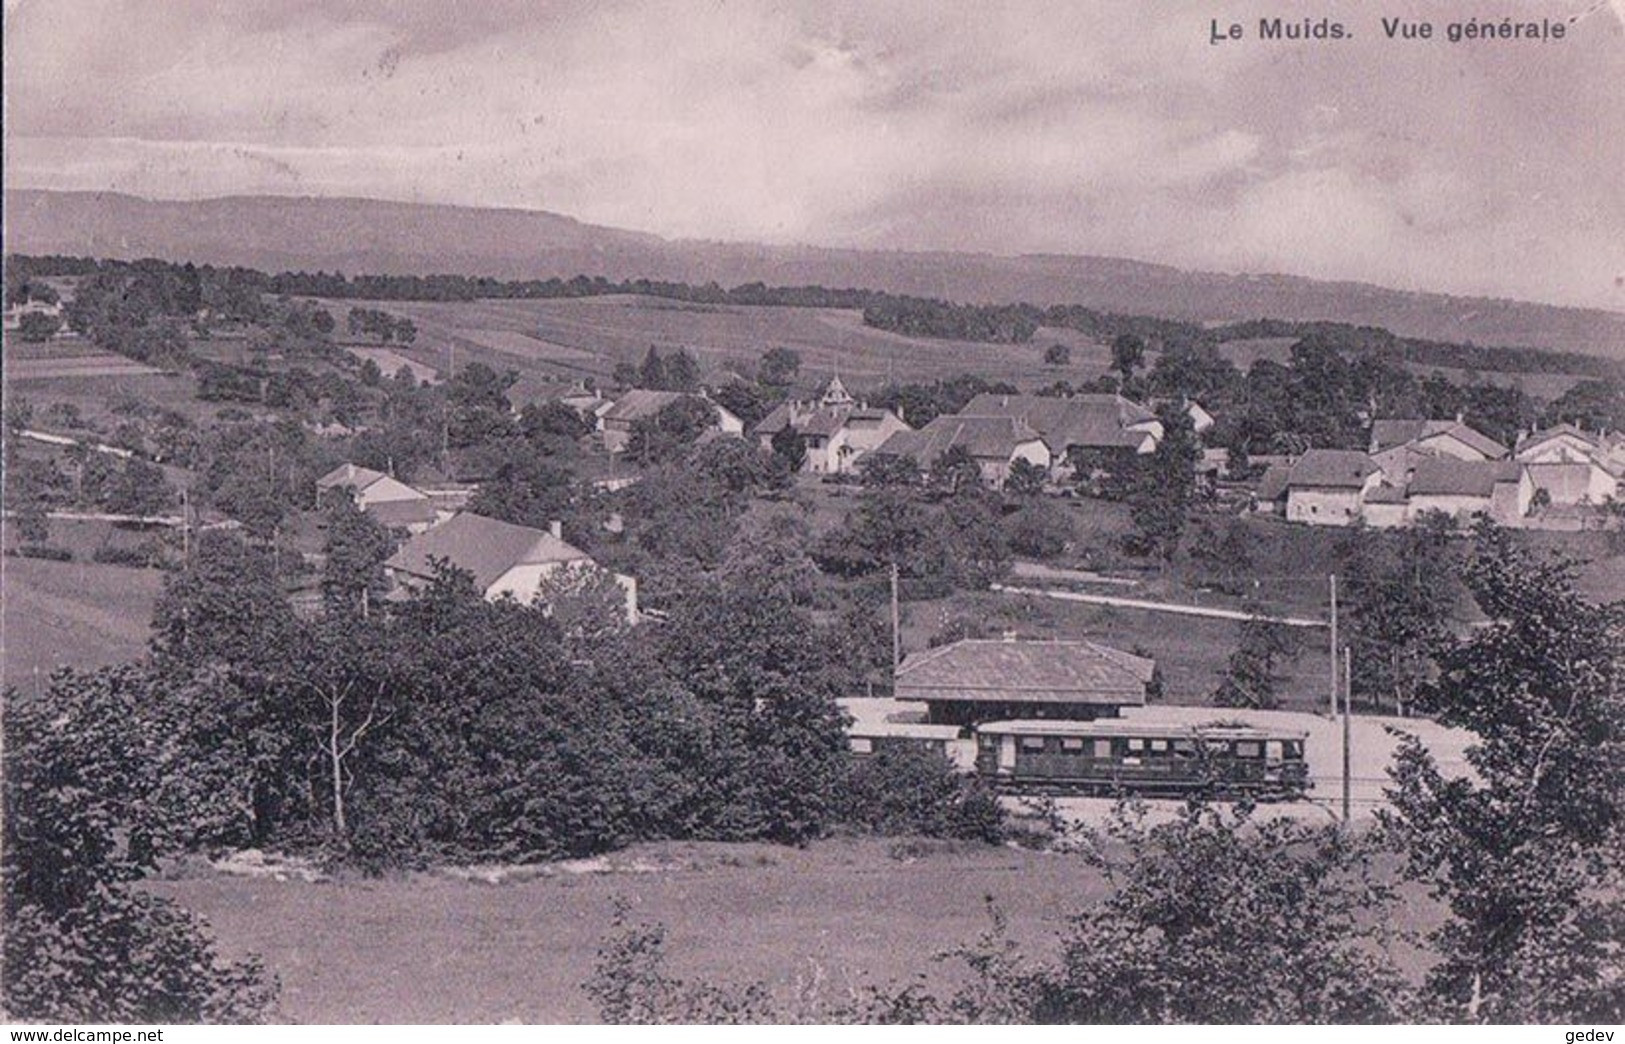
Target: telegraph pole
[[896, 631], [1348, 699], [1336, 669]]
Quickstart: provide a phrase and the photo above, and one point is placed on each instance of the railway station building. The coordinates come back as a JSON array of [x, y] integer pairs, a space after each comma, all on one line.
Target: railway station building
[[978, 680]]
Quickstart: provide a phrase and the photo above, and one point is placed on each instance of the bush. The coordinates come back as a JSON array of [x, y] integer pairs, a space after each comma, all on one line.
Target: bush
[[909, 789], [143, 557], [48, 552], [1042, 529]]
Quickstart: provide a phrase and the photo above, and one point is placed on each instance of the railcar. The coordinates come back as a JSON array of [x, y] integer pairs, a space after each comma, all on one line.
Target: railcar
[[1127, 757]]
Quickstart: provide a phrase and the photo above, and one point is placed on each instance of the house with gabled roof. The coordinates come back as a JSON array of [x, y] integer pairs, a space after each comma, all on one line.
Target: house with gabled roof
[[837, 430], [1572, 465], [1501, 490], [995, 443], [1092, 421], [990, 679], [617, 421], [1397, 445], [504, 559], [1327, 487], [390, 502]]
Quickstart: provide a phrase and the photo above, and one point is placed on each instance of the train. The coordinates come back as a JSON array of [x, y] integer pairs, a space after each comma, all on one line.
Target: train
[[1109, 757], [1112, 756]]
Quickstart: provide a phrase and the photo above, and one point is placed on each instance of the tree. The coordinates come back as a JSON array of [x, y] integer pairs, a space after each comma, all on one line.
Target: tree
[[1249, 677], [1222, 918], [225, 607], [526, 490], [1164, 484], [954, 472], [791, 448], [779, 367], [356, 547], [1128, 354], [1527, 852], [38, 326], [1026, 479], [1040, 529], [1058, 355], [84, 764], [888, 471], [669, 433], [138, 489]]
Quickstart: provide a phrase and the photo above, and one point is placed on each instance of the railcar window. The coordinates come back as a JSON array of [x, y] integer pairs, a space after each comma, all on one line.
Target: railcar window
[[862, 746], [1294, 749], [1216, 745], [1248, 749], [1184, 748], [1032, 743], [1273, 750], [1159, 746], [1103, 748], [987, 742], [1071, 743], [1136, 744]]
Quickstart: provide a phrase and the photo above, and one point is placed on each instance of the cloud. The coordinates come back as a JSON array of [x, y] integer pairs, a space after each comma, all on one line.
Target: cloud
[[1024, 126]]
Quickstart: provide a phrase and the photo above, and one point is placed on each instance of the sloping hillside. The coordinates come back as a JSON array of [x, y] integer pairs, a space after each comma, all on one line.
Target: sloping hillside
[[357, 235]]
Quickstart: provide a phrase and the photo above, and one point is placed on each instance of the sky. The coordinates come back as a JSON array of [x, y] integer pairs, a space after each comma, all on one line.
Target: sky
[[1109, 128]]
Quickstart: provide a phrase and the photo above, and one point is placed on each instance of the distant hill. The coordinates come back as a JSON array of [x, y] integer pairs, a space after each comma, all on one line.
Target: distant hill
[[373, 236]]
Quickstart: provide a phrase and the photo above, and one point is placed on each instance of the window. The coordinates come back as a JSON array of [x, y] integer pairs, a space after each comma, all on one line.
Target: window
[[1072, 743], [1249, 749], [862, 746], [1184, 748], [1103, 748], [1136, 744], [1032, 744], [1159, 746], [1273, 750]]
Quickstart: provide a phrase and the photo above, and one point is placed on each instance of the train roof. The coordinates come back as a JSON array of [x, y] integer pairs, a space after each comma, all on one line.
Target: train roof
[[1137, 729], [918, 730]]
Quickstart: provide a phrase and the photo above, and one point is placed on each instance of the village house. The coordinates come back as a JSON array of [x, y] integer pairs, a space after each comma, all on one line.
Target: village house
[[837, 430], [1327, 487], [1571, 465], [617, 421], [994, 443], [1398, 445], [991, 679], [504, 559], [1501, 490], [1101, 427], [391, 503]]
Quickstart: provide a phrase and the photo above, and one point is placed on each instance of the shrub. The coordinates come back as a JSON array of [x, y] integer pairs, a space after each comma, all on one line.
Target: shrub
[[142, 557], [48, 552], [909, 789]]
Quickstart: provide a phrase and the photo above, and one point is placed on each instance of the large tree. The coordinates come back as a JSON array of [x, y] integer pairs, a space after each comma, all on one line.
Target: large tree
[[1528, 852]]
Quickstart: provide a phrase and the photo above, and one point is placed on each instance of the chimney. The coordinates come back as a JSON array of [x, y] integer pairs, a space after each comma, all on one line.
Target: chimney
[[556, 528]]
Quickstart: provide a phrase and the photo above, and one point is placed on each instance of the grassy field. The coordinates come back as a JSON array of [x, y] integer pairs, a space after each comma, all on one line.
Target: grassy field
[[72, 614], [812, 922], [574, 338]]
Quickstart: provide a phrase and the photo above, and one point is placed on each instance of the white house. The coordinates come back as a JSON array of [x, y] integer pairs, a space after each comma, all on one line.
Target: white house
[[393, 503], [1572, 466], [836, 430], [1328, 487], [504, 559]]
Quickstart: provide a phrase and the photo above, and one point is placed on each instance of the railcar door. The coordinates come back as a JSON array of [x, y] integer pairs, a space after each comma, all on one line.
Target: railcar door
[[1007, 755]]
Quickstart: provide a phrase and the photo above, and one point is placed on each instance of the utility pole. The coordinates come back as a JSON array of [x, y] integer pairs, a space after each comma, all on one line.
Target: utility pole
[[896, 631], [186, 525], [1348, 698], [1336, 670]]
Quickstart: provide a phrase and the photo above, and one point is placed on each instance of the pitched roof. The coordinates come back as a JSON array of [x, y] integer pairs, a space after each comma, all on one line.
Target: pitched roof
[[399, 514], [1333, 469], [993, 670], [483, 546], [1272, 485], [1386, 433], [1443, 476], [1090, 420], [1530, 441], [994, 438], [639, 403], [352, 475]]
